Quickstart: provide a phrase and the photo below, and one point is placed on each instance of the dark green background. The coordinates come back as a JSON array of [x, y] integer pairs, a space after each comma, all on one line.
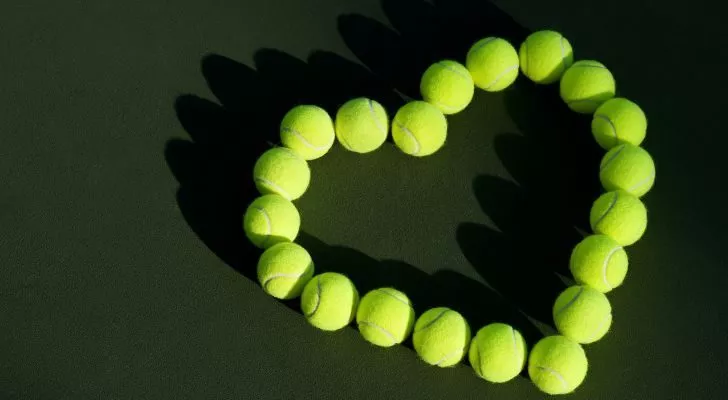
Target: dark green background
[[129, 131]]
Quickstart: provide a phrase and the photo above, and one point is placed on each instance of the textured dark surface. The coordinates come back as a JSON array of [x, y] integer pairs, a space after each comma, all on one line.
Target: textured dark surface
[[130, 129]]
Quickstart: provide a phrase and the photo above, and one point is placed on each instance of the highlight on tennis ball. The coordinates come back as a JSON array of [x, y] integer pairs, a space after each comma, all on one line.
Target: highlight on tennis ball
[[441, 337]]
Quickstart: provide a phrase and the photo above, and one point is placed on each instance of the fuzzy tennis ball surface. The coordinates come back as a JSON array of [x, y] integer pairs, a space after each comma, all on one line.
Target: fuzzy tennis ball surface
[[271, 219], [493, 64], [619, 121], [544, 56], [441, 337], [361, 125], [498, 353], [619, 215], [448, 86], [385, 317], [307, 130], [629, 168], [586, 85], [557, 365], [282, 171], [419, 128], [329, 301], [284, 269], [600, 262], [582, 314]]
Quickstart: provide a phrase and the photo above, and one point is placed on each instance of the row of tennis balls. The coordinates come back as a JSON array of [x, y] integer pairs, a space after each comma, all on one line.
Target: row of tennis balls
[[440, 336]]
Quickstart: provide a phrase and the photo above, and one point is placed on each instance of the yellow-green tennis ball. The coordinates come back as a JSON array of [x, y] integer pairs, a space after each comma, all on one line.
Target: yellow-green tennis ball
[[448, 86], [619, 121], [619, 215], [600, 262], [307, 130], [361, 125], [582, 314], [544, 56], [557, 365], [586, 85], [385, 317], [419, 128], [282, 171], [493, 64], [271, 219], [441, 337], [498, 353], [629, 168], [329, 301], [284, 269]]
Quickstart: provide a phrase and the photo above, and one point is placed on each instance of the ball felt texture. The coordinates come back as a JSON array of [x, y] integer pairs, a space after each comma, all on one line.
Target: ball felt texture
[[329, 301], [493, 64], [385, 317], [599, 262], [586, 85], [557, 365], [361, 125], [441, 337], [582, 314], [271, 219], [544, 56], [284, 269], [619, 121], [419, 128], [307, 130], [498, 353], [448, 86], [629, 168], [282, 171], [619, 215]]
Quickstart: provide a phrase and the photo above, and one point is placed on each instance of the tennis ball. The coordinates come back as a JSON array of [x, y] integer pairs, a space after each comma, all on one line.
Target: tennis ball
[[385, 317], [586, 85], [448, 86], [493, 64], [498, 353], [441, 337], [582, 314], [282, 171], [544, 56], [629, 168], [271, 219], [619, 215], [329, 301], [284, 269], [419, 128], [557, 365], [361, 125], [619, 121], [307, 130], [600, 262]]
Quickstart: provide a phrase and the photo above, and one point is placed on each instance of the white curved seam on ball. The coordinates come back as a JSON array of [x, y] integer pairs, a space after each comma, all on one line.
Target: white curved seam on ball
[[429, 324], [276, 276], [268, 223], [556, 374], [481, 45], [443, 105], [585, 65], [374, 117], [614, 156], [572, 301], [395, 297], [318, 298], [499, 77], [278, 189], [379, 328], [611, 124], [595, 331], [515, 342], [411, 135], [447, 67], [446, 357], [642, 182], [606, 265], [304, 141], [614, 201]]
